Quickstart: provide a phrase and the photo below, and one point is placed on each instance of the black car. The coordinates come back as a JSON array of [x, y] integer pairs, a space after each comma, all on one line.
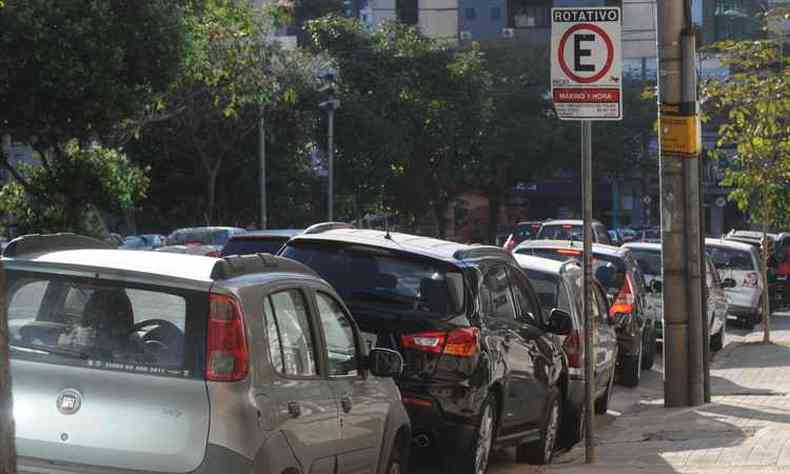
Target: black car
[[260, 241], [484, 365], [632, 313]]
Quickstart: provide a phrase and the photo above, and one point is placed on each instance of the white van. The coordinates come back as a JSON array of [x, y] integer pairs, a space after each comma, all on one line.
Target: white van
[[740, 263]]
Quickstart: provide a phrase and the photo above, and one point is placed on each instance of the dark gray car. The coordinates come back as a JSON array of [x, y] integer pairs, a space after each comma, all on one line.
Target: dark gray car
[[155, 362]]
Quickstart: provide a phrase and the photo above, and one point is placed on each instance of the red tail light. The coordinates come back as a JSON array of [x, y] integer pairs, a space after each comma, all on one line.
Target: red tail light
[[227, 357], [213, 253], [193, 242], [463, 342], [572, 346], [576, 253], [624, 303]]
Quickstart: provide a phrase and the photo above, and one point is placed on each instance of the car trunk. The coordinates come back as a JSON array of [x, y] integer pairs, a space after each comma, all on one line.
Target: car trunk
[[123, 420]]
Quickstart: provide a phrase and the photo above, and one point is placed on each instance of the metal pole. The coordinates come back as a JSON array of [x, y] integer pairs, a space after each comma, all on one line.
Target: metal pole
[[670, 24], [589, 321], [766, 295], [696, 317], [262, 173], [331, 153], [704, 289]]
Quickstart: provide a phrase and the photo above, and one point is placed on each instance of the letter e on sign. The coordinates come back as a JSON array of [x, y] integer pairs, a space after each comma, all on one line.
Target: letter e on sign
[[586, 65]]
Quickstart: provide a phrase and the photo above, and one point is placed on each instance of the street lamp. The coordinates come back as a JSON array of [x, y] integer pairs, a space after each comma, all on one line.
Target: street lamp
[[327, 75]]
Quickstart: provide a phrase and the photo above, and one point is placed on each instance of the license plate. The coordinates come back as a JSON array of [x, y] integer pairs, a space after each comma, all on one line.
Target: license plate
[[370, 339]]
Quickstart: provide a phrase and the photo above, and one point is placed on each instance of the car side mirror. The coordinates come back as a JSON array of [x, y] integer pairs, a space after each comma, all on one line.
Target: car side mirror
[[560, 322], [656, 286], [385, 362], [728, 283]]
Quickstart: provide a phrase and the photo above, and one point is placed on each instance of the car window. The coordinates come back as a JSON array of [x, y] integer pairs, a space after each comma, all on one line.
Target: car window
[[341, 347], [561, 232], [649, 261], [545, 288], [291, 344], [602, 235], [497, 299], [98, 325], [550, 291], [731, 259]]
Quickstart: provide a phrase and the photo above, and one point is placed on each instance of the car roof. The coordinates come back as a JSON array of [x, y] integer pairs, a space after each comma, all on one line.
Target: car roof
[[252, 234], [654, 246], [544, 265], [569, 244], [207, 228], [567, 221], [733, 244], [452, 252]]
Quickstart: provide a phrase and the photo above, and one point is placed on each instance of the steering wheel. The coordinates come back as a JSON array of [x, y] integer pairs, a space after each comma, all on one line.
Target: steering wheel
[[170, 331]]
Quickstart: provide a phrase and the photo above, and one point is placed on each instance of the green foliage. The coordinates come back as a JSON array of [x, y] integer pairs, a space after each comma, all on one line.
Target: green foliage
[[63, 194], [77, 69], [752, 106]]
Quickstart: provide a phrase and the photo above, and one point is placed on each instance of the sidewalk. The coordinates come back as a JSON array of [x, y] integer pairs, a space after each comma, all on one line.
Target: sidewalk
[[746, 428]]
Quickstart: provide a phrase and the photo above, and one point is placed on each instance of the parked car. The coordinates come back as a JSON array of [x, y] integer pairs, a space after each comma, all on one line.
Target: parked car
[[629, 235], [143, 242], [739, 268], [560, 285], [648, 256], [572, 229], [523, 231], [135, 361], [261, 241], [615, 238], [206, 241], [753, 238], [632, 313], [484, 365]]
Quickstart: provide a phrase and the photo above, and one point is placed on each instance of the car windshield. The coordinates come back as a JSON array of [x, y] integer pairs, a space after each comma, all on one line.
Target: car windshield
[[649, 261], [730, 259], [199, 236], [397, 282], [561, 232], [110, 326], [246, 246], [548, 288]]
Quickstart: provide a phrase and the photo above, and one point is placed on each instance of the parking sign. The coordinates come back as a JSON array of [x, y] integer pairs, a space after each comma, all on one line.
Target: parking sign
[[586, 66]]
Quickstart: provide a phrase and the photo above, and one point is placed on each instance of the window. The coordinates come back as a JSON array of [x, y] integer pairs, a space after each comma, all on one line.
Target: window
[[496, 295], [649, 261], [530, 14], [470, 14], [725, 258], [26, 300], [550, 290], [288, 329], [340, 344], [496, 13]]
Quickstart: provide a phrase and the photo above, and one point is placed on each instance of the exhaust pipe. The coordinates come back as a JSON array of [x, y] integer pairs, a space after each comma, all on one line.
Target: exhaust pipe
[[422, 440]]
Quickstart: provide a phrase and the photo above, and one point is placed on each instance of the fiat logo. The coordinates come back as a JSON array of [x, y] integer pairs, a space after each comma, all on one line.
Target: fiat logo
[[69, 401]]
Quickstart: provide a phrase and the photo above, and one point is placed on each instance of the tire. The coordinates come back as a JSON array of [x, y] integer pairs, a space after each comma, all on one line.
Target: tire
[[572, 426], [482, 445], [630, 370], [394, 465], [542, 451], [717, 340], [649, 350], [602, 404]]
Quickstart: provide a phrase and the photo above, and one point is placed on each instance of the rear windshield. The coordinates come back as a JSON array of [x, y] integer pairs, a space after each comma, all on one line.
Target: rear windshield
[[199, 236], [559, 255], [730, 259], [369, 276], [649, 262], [526, 231], [561, 232], [247, 246], [106, 325], [550, 291]]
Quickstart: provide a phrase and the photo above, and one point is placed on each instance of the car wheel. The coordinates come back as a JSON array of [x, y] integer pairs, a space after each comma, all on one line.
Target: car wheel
[[483, 439], [631, 369], [542, 451], [572, 426], [602, 404], [717, 341], [649, 349]]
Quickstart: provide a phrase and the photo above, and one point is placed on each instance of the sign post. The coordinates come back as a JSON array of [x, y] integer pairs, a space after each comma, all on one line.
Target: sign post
[[586, 85]]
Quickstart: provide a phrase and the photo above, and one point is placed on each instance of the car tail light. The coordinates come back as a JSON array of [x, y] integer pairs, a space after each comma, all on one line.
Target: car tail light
[[227, 357], [193, 242], [213, 253], [463, 342], [575, 253], [567, 226], [572, 346], [624, 303], [751, 280]]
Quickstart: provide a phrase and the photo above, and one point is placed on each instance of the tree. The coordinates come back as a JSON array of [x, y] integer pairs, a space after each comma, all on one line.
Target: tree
[[62, 195], [753, 105]]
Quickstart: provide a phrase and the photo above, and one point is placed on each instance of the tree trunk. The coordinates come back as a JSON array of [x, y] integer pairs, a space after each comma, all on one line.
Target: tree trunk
[[494, 203], [7, 450], [212, 194], [439, 210], [766, 294]]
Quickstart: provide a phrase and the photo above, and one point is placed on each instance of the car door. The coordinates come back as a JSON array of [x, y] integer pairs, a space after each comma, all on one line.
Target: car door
[[540, 351], [298, 399], [364, 401], [605, 340], [716, 297]]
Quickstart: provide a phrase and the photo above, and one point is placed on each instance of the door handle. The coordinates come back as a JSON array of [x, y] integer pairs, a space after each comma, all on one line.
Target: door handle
[[294, 409], [345, 403]]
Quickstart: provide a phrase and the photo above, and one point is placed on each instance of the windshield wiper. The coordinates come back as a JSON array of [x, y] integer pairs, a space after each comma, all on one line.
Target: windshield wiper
[[71, 353]]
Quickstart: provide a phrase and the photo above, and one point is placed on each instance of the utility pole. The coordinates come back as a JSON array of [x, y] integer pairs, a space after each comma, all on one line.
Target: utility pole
[[331, 152], [262, 173], [587, 302], [680, 206]]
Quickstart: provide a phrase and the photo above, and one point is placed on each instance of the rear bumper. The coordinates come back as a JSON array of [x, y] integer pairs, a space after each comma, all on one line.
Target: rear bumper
[[218, 459]]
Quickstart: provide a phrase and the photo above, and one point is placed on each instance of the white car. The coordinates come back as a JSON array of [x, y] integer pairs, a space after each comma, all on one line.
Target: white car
[[740, 270]]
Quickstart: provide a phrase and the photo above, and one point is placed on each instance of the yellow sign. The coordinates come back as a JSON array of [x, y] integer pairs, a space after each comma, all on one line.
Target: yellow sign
[[681, 135]]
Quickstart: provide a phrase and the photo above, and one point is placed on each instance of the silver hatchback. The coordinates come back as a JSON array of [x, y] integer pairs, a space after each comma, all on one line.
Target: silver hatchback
[[155, 362]]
